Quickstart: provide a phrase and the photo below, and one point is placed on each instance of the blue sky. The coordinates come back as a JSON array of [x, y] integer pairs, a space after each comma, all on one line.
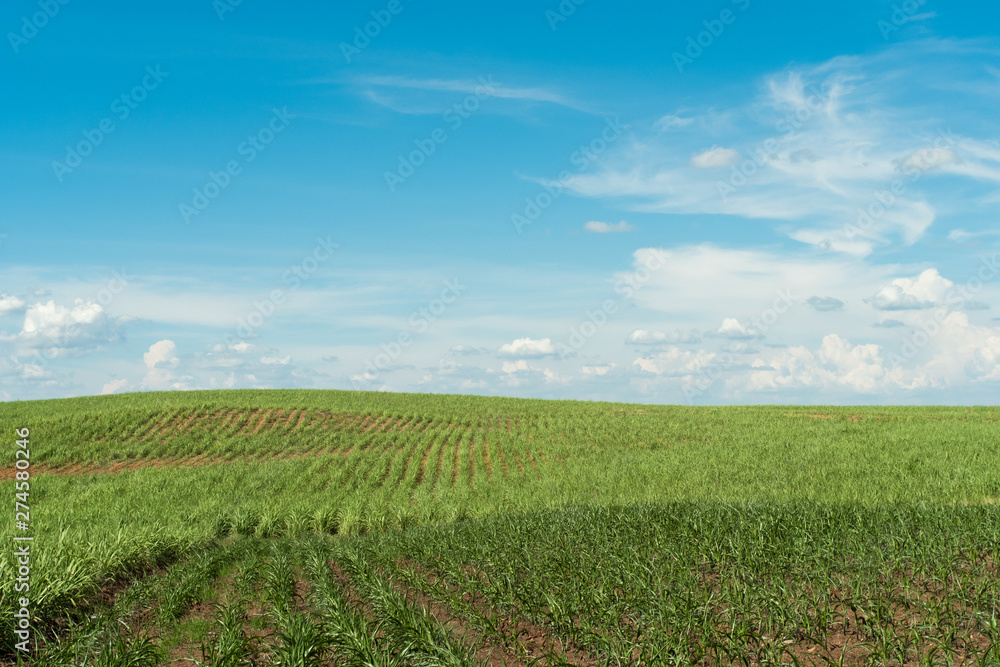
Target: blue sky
[[726, 202]]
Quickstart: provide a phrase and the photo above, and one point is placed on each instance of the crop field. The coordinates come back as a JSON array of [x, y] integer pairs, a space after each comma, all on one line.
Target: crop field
[[350, 528]]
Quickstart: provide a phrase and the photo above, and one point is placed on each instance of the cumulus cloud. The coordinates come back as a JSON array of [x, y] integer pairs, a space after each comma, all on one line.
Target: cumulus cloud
[[114, 386], [825, 303], [160, 361], [674, 361], [527, 348], [715, 157], [63, 330], [925, 291], [597, 370], [161, 355], [240, 364], [10, 304], [735, 330], [605, 228], [645, 337], [516, 366], [889, 324]]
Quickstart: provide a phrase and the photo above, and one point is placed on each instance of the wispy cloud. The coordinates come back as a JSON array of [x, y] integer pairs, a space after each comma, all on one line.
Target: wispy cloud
[[599, 227], [845, 156], [495, 85]]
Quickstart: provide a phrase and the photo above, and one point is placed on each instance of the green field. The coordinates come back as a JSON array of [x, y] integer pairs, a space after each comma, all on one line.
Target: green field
[[325, 527]]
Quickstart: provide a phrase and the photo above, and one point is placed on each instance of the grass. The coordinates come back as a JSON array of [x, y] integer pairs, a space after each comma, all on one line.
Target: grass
[[745, 517]]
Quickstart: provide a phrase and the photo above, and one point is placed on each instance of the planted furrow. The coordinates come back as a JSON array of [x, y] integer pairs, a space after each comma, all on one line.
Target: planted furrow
[[388, 424], [503, 459], [156, 426], [487, 462], [422, 470], [133, 434], [411, 450], [455, 460], [520, 464], [377, 465], [265, 418], [206, 421], [391, 463], [241, 422], [217, 426], [472, 461], [440, 463], [534, 464], [301, 420], [182, 417], [353, 422]]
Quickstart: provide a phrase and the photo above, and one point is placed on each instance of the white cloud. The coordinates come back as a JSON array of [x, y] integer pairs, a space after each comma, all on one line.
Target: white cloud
[[671, 121], [735, 330], [604, 227], [715, 157], [114, 386], [10, 303], [515, 366], [925, 291], [824, 139], [527, 348], [160, 361], [645, 337], [276, 361], [63, 330], [675, 362], [596, 370], [161, 355], [483, 87]]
